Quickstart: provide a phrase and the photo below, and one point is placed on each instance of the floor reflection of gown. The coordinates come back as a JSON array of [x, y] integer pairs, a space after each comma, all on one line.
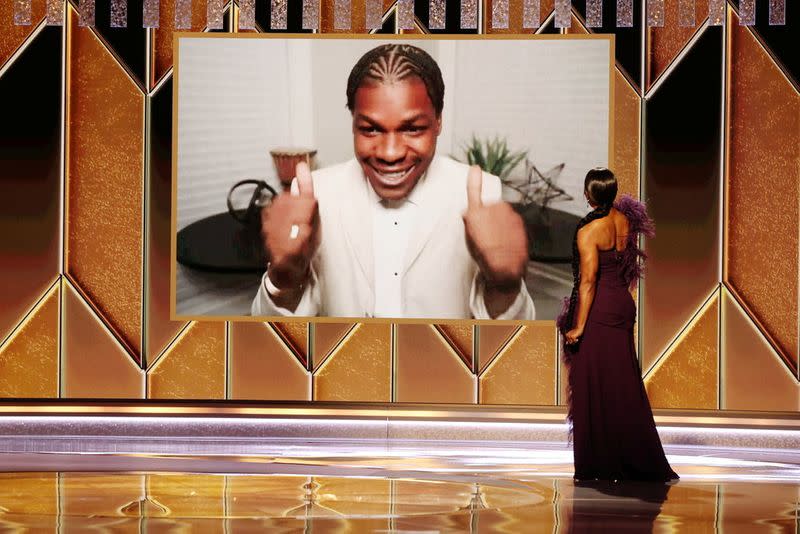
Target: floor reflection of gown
[[614, 434]]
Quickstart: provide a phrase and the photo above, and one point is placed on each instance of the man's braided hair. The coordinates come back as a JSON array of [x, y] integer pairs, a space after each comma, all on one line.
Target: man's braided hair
[[391, 63]]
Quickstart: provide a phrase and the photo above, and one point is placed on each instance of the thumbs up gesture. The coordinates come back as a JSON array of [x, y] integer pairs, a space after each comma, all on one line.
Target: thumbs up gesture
[[290, 227], [495, 237]]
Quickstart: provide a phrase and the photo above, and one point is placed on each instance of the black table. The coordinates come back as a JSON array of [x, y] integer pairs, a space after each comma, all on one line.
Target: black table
[[220, 243]]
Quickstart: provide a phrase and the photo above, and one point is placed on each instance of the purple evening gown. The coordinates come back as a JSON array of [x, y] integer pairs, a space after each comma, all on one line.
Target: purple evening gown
[[614, 434]]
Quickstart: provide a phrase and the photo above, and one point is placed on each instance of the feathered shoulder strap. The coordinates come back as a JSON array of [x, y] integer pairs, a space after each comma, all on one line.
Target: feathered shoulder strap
[[632, 258]]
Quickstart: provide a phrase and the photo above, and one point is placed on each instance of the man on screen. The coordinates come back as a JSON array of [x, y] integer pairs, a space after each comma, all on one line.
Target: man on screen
[[396, 232]]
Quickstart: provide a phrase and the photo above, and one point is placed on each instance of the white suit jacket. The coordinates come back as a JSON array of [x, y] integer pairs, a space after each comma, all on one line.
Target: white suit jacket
[[439, 275]]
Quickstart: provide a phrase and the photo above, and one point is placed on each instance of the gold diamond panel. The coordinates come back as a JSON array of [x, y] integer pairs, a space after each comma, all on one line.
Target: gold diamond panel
[[666, 42]]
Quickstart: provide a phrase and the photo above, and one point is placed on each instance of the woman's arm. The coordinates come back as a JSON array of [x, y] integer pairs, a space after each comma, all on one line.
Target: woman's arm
[[587, 247]]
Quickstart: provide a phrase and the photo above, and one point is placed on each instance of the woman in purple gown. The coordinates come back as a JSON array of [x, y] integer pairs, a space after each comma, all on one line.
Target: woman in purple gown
[[614, 434]]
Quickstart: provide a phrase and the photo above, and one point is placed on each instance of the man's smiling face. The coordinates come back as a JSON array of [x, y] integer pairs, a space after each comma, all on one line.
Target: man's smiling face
[[395, 127]]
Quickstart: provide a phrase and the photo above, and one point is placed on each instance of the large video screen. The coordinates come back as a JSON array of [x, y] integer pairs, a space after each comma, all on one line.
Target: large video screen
[[434, 178]]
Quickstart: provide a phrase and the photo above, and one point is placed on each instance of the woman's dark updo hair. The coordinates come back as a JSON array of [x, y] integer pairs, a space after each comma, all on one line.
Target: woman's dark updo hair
[[600, 186]]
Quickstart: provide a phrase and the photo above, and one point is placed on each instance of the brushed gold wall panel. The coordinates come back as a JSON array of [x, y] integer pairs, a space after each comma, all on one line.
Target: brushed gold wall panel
[[29, 358], [358, 14], [427, 368], [687, 374], [665, 43], [492, 338], [13, 36], [627, 116], [515, 14], [104, 249], [262, 366], [93, 363], [193, 367], [326, 337], [753, 375], [163, 35], [460, 338], [360, 369], [296, 336], [525, 371], [763, 188]]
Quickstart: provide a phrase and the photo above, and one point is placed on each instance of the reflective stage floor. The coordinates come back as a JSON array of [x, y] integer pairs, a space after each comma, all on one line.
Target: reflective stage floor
[[361, 487]]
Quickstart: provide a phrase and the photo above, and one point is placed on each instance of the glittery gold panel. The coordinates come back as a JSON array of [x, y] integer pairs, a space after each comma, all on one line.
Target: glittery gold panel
[[195, 496], [358, 16], [525, 371], [263, 495], [162, 36], [687, 374], [296, 336], [25, 495], [576, 27], [105, 184], [359, 369], [12, 35], [665, 43], [94, 364], [29, 358], [95, 500], [739, 507], [427, 369], [460, 338], [492, 338], [753, 376], [262, 366], [326, 337], [763, 189], [193, 367], [627, 111], [515, 15]]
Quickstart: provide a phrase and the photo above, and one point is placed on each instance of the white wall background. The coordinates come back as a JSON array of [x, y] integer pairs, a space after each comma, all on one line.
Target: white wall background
[[239, 98]]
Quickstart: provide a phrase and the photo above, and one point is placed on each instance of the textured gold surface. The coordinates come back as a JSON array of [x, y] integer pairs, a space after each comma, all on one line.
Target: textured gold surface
[[29, 358], [296, 337], [627, 115], [193, 367], [491, 339], [163, 35], [515, 13], [105, 184], [358, 16], [525, 371], [753, 376], [94, 364], [665, 43], [763, 189], [13, 36], [262, 366], [359, 369], [460, 338], [427, 369], [187, 496], [326, 337], [687, 375]]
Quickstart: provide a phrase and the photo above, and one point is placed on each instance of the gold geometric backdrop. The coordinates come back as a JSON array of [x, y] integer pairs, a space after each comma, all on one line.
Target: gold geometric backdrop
[[707, 132]]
